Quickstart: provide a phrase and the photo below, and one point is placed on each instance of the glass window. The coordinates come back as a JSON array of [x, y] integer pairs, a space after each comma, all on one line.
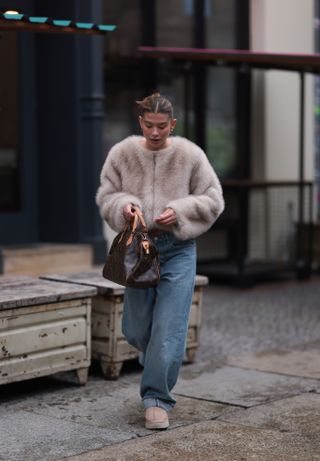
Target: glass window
[[220, 23], [125, 82], [221, 121], [175, 83], [123, 86], [174, 23], [9, 123], [127, 37], [123, 72]]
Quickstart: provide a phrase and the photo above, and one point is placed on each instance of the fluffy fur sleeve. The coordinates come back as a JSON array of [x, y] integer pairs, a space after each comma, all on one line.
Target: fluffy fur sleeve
[[197, 212], [110, 199]]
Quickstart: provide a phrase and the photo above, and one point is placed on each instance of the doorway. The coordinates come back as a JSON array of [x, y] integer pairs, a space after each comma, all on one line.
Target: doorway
[[18, 175]]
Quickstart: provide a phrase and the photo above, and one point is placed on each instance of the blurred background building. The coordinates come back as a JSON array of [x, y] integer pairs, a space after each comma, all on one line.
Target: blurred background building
[[65, 100]]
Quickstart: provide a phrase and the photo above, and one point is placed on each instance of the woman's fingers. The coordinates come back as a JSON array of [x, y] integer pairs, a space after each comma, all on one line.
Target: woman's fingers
[[167, 218], [128, 212]]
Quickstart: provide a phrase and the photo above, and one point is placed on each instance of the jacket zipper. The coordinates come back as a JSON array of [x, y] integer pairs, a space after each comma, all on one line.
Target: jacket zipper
[[154, 184]]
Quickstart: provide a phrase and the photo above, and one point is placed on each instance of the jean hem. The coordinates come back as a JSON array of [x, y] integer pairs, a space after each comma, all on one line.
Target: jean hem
[[155, 402]]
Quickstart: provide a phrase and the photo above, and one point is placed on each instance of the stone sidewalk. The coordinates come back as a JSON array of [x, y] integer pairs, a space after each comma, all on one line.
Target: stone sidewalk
[[252, 394]]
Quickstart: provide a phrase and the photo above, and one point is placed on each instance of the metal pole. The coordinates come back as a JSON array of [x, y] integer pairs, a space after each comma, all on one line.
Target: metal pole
[[302, 112], [311, 231], [187, 104], [200, 76], [300, 257]]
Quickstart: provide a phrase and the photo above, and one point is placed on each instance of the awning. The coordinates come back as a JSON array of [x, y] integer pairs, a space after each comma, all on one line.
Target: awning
[[25, 23], [251, 59]]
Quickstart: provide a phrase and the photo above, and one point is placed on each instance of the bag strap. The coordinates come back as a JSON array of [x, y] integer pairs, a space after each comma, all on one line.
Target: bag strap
[[145, 242], [138, 217], [138, 212]]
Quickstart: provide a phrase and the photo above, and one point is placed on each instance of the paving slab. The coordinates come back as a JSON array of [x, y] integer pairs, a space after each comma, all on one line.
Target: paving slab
[[26, 436], [300, 414], [234, 322], [118, 408], [242, 387], [294, 362], [211, 441], [111, 410]]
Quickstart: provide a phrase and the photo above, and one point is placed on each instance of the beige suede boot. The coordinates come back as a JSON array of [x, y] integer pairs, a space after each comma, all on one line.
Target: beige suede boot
[[156, 418]]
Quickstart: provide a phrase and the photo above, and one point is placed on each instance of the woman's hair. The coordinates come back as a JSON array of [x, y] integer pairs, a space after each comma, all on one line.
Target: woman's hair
[[155, 103]]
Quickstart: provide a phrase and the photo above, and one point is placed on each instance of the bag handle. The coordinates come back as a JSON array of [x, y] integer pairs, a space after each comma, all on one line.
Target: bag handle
[[138, 217], [138, 212], [145, 242]]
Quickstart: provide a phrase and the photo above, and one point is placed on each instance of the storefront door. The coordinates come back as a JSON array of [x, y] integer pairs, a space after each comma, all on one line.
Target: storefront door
[[18, 175]]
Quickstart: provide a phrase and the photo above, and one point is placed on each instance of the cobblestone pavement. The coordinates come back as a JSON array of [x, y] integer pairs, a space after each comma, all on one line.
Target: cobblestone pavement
[[273, 315], [253, 392]]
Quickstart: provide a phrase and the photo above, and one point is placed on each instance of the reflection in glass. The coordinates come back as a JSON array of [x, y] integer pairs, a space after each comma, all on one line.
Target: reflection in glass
[[220, 17], [123, 73], [220, 22], [174, 23], [127, 37], [220, 121], [175, 84]]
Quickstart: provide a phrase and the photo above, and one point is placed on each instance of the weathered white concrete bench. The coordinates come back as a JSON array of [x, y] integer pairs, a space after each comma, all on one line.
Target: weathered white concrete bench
[[108, 343], [45, 328]]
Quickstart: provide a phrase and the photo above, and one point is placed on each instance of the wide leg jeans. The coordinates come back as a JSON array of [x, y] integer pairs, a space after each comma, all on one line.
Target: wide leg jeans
[[155, 320]]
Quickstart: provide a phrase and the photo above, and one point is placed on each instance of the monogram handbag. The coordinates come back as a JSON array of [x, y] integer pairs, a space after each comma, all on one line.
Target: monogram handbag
[[133, 260]]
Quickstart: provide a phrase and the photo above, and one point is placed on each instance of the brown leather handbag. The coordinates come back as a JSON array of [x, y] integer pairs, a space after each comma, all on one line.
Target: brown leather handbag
[[133, 260]]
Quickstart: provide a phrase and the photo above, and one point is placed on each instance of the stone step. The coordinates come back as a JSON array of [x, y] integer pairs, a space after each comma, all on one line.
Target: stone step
[[40, 259]]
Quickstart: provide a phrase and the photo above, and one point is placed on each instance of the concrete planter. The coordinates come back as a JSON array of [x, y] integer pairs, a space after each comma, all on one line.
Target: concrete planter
[[45, 328], [108, 344]]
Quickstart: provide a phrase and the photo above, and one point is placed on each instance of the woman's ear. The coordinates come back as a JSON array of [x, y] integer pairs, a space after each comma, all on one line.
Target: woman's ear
[[173, 124]]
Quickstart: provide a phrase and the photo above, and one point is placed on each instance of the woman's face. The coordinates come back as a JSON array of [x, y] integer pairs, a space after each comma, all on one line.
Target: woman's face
[[156, 129]]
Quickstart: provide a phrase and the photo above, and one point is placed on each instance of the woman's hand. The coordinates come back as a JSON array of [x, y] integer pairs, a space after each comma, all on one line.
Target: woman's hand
[[128, 212], [167, 218]]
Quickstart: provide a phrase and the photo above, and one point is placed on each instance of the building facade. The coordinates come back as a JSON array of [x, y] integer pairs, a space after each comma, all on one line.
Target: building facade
[[65, 100], [51, 121]]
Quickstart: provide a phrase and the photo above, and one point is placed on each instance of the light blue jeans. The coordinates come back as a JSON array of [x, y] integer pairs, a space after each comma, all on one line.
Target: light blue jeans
[[155, 320]]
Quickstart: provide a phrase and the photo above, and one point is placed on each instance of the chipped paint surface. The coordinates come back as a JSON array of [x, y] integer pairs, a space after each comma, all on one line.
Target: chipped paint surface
[[26, 291], [41, 339], [108, 343]]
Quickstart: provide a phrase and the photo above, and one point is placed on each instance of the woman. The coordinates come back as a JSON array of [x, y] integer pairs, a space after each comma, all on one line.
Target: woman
[[172, 182]]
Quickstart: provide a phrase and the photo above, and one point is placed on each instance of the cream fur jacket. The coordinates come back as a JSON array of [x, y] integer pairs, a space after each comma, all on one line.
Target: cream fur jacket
[[179, 176]]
